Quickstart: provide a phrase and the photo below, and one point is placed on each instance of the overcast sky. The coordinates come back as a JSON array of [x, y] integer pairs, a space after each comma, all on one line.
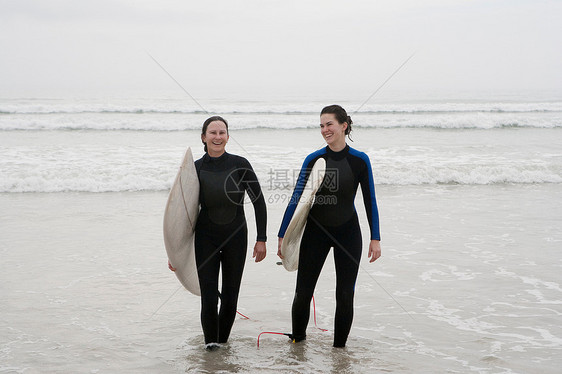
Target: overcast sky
[[100, 47]]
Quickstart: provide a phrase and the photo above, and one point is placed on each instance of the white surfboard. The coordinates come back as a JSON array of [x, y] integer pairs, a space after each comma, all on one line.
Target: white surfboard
[[291, 242], [180, 217]]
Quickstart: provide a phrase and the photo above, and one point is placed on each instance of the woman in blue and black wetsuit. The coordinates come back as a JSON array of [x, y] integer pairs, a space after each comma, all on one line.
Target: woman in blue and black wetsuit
[[221, 235], [333, 222]]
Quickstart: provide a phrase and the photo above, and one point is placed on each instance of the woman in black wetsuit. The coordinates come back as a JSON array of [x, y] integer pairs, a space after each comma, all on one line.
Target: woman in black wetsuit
[[221, 235], [333, 222]]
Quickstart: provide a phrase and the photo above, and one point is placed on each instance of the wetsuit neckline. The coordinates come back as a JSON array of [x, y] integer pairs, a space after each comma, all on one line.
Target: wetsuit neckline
[[337, 155], [208, 158]]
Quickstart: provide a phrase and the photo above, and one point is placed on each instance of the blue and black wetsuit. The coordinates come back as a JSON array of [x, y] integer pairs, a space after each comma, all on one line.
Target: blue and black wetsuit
[[332, 222], [221, 237]]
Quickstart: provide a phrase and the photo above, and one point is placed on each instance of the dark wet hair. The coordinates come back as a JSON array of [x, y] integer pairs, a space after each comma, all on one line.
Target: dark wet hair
[[206, 124], [341, 117]]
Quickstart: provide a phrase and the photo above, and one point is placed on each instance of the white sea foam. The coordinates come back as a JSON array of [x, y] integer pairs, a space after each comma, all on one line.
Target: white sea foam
[[175, 122], [135, 145], [181, 122], [176, 115], [97, 169], [293, 107]]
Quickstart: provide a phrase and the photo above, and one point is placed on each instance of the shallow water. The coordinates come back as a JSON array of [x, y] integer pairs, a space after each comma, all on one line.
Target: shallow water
[[469, 281]]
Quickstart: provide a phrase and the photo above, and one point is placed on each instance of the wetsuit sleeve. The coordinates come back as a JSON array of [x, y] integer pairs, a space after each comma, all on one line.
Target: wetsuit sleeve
[[368, 189], [297, 192], [252, 187]]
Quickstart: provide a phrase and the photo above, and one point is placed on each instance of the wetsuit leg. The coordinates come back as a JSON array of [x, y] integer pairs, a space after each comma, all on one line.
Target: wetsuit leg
[[208, 262], [347, 254], [314, 249], [233, 258]]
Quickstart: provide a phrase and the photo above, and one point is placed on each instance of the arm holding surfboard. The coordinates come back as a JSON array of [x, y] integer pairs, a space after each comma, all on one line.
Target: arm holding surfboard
[[301, 186], [295, 219]]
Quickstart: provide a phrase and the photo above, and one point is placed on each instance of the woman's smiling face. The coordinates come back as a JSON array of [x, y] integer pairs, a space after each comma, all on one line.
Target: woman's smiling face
[[216, 138], [332, 131]]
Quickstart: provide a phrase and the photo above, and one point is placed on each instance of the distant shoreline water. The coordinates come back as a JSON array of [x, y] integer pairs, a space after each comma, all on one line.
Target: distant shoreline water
[[141, 114], [61, 145]]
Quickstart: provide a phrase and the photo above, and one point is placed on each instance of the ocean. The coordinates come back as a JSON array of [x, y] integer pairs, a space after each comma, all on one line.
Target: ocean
[[470, 199]]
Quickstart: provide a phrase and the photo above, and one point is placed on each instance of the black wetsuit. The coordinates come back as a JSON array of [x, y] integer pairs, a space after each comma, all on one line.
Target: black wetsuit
[[332, 222], [221, 237]]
